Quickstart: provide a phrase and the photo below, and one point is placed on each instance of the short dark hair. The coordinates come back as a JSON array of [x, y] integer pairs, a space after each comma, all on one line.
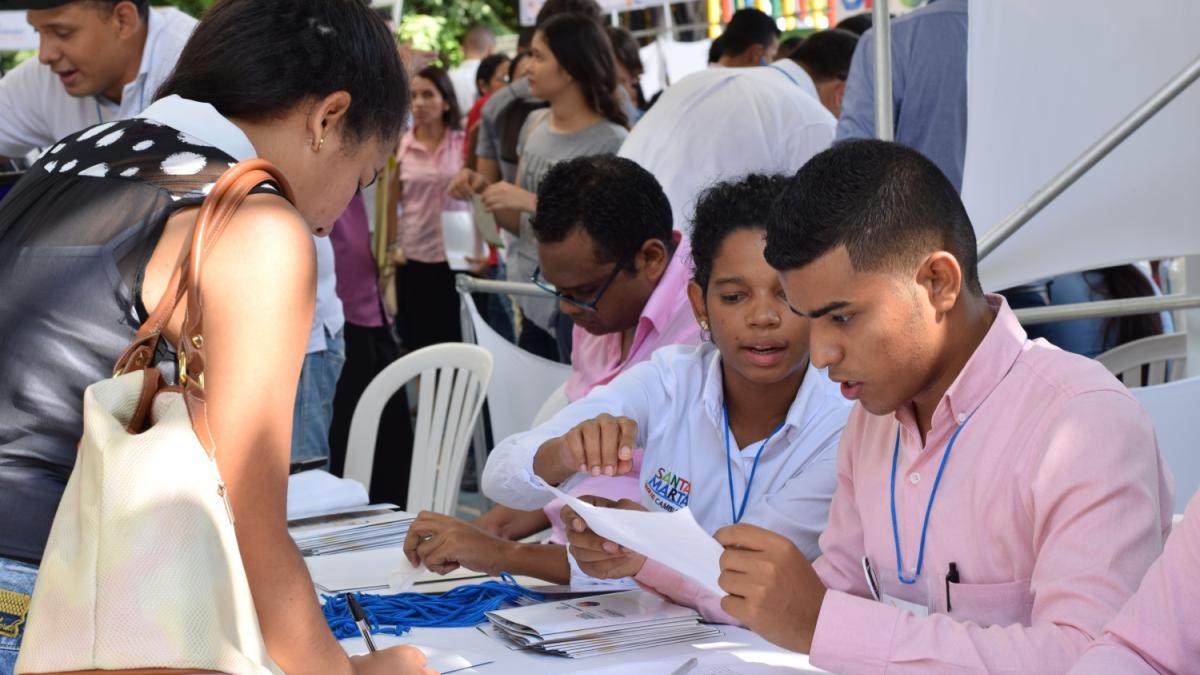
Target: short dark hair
[[143, 6], [479, 38], [487, 69], [451, 116], [857, 24], [520, 56], [618, 203], [256, 59], [826, 55], [625, 48], [786, 46], [885, 202], [553, 8], [725, 208], [746, 28], [714, 50]]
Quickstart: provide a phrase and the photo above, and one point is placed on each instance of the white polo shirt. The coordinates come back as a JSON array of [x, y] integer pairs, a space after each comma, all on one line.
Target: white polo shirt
[[38, 110], [722, 123], [676, 399]]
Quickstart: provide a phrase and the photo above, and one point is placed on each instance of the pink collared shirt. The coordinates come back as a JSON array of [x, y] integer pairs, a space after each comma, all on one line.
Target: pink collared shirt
[[666, 320], [424, 177], [1156, 631], [1053, 504]]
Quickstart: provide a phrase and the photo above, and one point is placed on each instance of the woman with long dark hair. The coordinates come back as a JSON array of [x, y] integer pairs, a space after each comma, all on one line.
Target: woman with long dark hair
[[430, 155], [89, 240], [573, 68]]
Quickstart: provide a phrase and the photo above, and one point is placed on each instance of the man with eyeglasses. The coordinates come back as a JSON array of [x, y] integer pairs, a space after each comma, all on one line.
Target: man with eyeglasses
[[608, 252], [619, 271]]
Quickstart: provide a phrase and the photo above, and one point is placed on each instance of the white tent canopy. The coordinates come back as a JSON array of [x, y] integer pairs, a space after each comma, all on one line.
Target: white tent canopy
[[1048, 79]]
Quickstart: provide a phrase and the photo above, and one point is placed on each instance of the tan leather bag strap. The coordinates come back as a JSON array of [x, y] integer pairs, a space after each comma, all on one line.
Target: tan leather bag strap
[[215, 214]]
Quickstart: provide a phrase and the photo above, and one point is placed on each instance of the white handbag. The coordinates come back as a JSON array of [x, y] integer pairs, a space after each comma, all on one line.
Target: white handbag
[[142, 571]]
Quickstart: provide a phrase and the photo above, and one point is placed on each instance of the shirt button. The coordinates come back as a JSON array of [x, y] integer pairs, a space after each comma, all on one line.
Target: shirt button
[[962, 417], [914, 478]]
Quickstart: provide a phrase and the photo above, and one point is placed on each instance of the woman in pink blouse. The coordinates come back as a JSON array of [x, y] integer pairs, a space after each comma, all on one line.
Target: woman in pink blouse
[[430, 154]]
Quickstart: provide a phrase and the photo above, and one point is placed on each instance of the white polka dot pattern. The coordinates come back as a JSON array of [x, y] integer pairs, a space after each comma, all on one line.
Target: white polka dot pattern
[[183, 164]]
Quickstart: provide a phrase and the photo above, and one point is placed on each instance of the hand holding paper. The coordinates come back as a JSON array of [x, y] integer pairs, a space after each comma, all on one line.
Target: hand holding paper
[[598, 557], [673, 539]]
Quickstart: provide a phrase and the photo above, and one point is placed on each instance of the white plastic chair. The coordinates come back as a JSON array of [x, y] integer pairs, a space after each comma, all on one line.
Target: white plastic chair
[[1144, 362], [454, 377], [555, 402], [1173, 408]]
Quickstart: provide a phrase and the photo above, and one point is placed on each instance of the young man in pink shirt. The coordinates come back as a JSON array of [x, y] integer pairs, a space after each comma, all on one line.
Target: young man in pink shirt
[[608, 252], [1156, 631], [998, 499]]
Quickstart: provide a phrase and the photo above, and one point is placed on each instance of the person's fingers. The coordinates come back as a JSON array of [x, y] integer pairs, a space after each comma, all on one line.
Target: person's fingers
[[745, 536], [597, 500], [571, 520], [591, 446], [610, 443], [626, 445], [574, 439]]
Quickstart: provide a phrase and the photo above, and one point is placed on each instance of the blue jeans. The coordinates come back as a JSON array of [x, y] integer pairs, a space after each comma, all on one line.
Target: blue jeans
[[314, 399], [16, 581]]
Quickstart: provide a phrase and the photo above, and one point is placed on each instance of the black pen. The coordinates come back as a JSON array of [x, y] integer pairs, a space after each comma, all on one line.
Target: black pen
[[360, 619], [951, 578]]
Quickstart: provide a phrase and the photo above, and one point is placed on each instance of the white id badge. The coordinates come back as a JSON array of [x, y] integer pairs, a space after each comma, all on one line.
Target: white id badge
[[917, 610], [880, 596]]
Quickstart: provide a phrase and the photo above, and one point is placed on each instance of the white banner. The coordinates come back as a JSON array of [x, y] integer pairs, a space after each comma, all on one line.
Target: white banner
[[16, 33], [1047, 80]]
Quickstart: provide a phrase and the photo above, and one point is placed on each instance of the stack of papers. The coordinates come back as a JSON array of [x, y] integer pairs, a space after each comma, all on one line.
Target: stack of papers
[[598, 624], [365, 529]]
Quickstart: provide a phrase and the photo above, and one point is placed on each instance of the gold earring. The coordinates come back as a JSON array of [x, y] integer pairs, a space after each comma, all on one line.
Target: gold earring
[[320, 144], [703, 325]]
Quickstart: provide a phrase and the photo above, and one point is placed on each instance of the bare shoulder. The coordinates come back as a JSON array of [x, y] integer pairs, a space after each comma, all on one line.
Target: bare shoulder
[[267, 244]]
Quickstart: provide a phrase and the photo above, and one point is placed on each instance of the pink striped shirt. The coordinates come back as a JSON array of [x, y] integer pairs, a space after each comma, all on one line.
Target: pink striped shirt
[[424, 177], [1053, 504], [1157, 631]]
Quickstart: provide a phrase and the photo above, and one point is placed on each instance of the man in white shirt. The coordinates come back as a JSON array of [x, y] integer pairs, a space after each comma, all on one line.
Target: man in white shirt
[[478, 44], [721, 123], [98, 61]]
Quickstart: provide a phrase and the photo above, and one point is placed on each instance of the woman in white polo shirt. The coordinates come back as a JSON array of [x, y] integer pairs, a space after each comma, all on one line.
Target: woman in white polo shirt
[[739, 429]]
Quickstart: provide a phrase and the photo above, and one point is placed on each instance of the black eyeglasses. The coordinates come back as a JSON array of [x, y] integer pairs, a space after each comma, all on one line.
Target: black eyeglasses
[[589, 305]]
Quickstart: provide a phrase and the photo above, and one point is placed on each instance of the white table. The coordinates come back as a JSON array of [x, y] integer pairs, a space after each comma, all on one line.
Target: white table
[[739, 649]]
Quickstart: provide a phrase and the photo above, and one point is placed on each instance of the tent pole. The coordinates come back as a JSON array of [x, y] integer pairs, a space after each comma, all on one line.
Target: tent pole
[[882, 28], [1023, 213]]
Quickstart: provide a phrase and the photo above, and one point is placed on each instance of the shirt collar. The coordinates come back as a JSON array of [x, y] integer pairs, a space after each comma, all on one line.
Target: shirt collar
[[987, 367], [201, 121], [671, 289], [798, 75], [804, 405]]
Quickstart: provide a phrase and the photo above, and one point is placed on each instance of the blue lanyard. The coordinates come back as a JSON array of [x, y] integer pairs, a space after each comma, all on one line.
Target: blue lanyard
[[928, 507], [737, 514]]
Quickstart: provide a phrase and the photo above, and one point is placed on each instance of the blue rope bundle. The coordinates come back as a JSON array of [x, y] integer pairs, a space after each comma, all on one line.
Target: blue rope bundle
[[396, 614]]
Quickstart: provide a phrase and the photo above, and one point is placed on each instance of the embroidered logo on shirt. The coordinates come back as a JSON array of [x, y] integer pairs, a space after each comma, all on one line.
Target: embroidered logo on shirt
[[669, 491]]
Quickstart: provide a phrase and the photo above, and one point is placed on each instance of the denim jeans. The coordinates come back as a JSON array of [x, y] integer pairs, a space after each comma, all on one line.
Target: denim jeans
[[314, 399], [16, 582]]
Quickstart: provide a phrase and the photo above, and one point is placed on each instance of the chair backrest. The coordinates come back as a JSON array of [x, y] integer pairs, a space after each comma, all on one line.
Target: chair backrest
[[1149, 361], [521, 382], [555, 402], [454, 377], [1173, 408]]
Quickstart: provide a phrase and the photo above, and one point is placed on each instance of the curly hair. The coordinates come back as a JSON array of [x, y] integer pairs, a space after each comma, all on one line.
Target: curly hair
[[618, 203], [728, 207]]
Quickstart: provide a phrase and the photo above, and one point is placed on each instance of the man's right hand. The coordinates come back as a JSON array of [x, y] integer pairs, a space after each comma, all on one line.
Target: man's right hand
[[466, 183], [602, 445], [401, 660]]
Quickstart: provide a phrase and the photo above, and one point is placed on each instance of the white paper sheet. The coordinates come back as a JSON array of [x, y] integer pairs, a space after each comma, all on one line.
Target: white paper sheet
[[439, 660], [673, 539], [378, 570], [485, 222], [317, 491]]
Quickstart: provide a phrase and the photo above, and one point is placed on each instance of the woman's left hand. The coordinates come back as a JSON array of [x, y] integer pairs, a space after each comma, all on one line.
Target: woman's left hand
[[505, 195], [444, 544]]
